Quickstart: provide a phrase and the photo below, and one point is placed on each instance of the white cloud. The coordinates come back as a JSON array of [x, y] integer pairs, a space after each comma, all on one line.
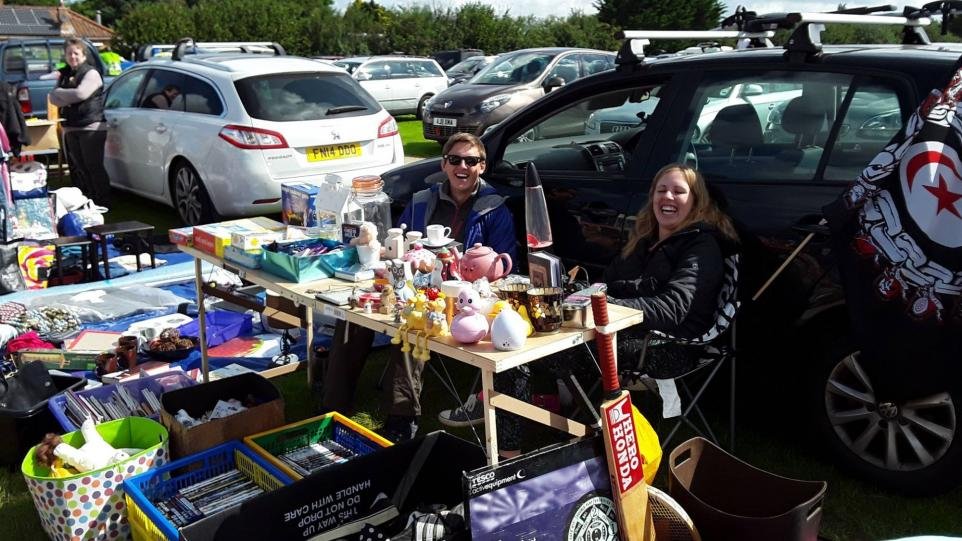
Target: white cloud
[[562, 8]]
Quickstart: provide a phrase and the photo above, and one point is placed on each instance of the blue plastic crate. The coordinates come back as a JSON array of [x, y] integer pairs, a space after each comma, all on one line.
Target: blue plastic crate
[[142, 491], [158, 384]]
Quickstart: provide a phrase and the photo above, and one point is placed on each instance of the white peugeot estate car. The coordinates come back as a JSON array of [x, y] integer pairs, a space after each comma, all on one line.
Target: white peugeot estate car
[[216, 134]]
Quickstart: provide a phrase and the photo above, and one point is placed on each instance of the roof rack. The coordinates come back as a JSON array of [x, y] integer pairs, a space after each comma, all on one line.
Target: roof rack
[[948, 10], [633, 49], [185, 44]]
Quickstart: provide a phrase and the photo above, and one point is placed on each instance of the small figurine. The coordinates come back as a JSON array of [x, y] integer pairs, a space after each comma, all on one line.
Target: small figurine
[[449, 265], [413, 318], [394, 243], [436, 325], [500, 306], [388, 300], [508, 330], [367, 245], [470, 325]]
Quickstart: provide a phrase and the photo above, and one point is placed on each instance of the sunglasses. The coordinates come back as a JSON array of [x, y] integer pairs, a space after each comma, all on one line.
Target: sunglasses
[[470, 161]]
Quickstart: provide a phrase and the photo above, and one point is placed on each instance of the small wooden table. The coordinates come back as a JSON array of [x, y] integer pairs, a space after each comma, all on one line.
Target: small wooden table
[[60, 243], [99, 233]]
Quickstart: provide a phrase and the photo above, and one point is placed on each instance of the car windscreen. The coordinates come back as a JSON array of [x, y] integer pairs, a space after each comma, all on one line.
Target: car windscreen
[[514, 69], [289, 97], [349, 67]]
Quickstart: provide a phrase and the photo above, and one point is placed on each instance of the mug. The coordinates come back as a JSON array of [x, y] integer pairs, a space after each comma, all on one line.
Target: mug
[[544, 309], [368, 255], [438, 233]]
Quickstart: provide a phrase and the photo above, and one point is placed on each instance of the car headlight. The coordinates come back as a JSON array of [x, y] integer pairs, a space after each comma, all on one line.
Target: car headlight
[[494, 102]]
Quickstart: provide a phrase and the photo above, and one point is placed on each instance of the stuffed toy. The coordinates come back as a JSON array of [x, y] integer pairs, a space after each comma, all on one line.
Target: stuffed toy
[[94, 454]]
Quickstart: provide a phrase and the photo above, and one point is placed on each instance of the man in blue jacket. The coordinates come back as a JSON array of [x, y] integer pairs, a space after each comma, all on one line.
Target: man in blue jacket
[[476, 213]]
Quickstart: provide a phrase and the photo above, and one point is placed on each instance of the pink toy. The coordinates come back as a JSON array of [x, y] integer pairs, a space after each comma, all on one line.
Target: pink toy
[[470, 325]]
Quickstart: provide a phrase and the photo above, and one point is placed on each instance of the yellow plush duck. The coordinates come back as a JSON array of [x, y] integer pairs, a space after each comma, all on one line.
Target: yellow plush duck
[[500, 305]]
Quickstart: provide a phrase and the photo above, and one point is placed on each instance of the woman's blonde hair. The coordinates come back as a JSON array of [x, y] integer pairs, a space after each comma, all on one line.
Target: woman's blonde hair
[[703, 209]]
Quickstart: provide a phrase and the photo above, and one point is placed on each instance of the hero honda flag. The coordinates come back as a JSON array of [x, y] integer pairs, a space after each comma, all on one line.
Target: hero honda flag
[[897, 234]]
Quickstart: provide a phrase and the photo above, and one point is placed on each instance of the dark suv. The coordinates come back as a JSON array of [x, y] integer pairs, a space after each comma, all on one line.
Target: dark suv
[[778, 133]]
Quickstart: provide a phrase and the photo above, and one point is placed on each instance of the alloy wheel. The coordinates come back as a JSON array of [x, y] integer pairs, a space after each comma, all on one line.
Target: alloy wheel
[[188, 196], [895, 436]]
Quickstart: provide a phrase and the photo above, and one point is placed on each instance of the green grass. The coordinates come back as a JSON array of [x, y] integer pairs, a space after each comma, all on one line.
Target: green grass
[[415, 145]]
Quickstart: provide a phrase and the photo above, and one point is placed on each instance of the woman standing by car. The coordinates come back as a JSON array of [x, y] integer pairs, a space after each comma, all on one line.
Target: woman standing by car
[[79, 94]]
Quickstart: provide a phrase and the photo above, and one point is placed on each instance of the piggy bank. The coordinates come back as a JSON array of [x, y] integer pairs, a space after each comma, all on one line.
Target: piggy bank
[[508, 330], [470, 325]]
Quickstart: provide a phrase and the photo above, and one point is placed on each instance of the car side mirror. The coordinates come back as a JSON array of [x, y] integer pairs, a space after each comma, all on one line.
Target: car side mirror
[[753, 90], [552, 83], [363, 76]]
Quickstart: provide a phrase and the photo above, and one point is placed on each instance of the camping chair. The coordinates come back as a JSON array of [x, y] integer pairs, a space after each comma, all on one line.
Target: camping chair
[[718, 346]]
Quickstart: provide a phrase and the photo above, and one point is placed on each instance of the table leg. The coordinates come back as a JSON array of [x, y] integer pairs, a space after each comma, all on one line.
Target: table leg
[[309, 333], [490, 421], [150, 247], [201, 320], [137, 239], [103, 252], [59, 258]]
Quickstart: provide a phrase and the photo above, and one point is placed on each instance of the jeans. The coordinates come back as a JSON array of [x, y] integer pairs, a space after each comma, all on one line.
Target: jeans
[[85, 155]]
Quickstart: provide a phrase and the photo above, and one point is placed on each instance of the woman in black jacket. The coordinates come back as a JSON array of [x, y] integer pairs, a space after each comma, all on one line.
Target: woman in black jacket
[[672, 268]]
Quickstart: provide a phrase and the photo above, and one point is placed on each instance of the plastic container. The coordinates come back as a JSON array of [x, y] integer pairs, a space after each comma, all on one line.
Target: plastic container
[[158, 384], [91, 505], [143, 491], [369, 203], [221, 326], [330, 427], [24, 427], [730, 499]]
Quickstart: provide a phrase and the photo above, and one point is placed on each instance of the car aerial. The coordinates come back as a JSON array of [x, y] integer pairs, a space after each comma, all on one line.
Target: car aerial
[[778, 132], [466, 69], [402, 84], [216, 134], [512, 81]]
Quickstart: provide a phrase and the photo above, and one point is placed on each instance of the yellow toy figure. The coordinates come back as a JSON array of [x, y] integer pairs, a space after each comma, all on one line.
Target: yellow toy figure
[[437, 325], [412, 319], [500, 305]]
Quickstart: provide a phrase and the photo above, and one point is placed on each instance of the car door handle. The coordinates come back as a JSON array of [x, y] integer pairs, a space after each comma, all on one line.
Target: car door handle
[[160, 128]]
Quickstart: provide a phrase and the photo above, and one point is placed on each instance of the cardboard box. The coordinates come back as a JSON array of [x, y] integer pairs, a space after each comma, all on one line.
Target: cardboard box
[[299, 204], [181, 236], [249, 259], [337, 501], [213, 238], [200, 399], [253, 241]]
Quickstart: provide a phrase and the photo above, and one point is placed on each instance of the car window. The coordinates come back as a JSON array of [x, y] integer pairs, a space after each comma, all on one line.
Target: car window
[[770, 126], [566, 68], [513, 69], [374, 71], [349, 67], [401, 69], [871, 119], [200, 97], [123, 91], [593, 134], [427, 69], [597, 63], [31, 61], [290, 97], [163, 90]]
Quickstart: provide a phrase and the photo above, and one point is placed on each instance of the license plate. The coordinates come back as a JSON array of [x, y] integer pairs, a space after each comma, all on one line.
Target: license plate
[[453, 122], [333, 152]]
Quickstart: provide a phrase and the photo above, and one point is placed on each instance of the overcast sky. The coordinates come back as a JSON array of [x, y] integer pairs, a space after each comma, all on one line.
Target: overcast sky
[[543, 8]]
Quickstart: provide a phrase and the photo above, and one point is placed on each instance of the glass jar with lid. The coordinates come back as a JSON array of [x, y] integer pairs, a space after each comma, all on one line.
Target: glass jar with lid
[[369, 203]]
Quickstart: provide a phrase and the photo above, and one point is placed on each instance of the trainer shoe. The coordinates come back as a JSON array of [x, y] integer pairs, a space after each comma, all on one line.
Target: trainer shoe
[[471, 413]]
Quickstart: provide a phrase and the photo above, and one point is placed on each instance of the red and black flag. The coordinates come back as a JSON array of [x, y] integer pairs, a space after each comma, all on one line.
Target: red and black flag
[[898, 239]]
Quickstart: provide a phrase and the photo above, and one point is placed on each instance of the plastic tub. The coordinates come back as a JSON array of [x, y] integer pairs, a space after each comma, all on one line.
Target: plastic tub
[[24, 427], [143, 491], [330, 427], [730, 499], [158, 384], [91, 505]]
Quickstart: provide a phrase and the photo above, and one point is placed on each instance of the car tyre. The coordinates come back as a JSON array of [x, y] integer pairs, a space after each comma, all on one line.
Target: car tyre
[[419, 114], [190, 197], [913, 446]]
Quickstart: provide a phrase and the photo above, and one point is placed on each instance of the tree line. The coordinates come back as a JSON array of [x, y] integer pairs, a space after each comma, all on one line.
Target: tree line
[[315, 27]]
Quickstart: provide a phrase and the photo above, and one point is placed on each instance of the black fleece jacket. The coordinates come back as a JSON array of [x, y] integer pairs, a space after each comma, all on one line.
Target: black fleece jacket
[[676, 284]]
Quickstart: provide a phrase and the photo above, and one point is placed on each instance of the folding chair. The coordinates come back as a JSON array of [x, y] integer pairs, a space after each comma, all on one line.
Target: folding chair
[[718, 346]]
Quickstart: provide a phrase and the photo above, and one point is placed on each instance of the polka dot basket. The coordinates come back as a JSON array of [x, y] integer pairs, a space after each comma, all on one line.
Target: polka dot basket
[[91, 505]]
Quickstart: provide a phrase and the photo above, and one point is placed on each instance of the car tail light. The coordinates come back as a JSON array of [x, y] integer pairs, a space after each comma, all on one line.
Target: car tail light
[[252, 138], [388, 127], [23, 96]]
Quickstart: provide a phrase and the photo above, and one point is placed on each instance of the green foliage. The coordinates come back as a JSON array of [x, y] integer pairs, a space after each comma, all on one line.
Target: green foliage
[[285, 21], [660, 14], [160, 22], [111, 11]]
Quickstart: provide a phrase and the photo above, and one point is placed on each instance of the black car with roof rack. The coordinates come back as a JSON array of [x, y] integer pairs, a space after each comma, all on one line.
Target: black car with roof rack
[[778, 132]]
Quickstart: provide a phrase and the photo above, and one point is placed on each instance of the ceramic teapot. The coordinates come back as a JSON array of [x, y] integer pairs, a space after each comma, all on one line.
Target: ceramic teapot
[[483, 262]]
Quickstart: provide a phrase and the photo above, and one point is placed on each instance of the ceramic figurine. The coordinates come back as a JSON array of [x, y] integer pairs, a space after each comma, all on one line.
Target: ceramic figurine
[[367, 245], [419, 258], [470, 325], [508, 330], [394, 243], [481, 261], [449, 264]]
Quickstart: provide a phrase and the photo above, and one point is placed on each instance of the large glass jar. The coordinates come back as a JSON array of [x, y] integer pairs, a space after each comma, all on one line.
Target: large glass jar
[[369, 203]]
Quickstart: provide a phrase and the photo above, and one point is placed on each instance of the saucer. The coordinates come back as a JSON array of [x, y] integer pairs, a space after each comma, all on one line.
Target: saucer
[[444, 242]]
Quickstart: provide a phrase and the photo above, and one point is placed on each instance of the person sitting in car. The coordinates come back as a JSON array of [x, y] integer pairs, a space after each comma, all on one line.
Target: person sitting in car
[[163, 99]]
